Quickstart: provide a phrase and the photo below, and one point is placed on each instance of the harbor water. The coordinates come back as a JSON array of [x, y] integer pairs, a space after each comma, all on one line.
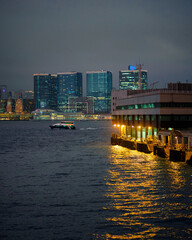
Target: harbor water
[[73, 184]]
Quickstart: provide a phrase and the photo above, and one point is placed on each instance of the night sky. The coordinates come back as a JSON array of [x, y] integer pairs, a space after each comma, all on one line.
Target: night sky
[[51, 36]]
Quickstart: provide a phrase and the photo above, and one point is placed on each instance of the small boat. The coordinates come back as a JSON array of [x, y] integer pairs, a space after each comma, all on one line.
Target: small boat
[[64, 125]]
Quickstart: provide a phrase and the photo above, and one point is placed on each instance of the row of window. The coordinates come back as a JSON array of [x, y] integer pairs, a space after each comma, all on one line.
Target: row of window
[[153, 117], [156, 105]]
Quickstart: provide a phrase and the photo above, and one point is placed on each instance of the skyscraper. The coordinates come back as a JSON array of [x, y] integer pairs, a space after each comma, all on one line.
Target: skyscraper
[[99, 86], [69, 85], [45, 91], [134, 78], [3, 92]]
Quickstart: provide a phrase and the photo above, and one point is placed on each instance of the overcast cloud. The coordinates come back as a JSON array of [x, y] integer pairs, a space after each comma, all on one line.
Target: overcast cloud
[[81, 35]]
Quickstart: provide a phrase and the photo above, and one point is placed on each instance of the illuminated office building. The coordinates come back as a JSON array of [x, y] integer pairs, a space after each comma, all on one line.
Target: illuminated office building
[[9, 106], [133, 79], [19, 106], [99, 86], [45, 91], [69, 85]]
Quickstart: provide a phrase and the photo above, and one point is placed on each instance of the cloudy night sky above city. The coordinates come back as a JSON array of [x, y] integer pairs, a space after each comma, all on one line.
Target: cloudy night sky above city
[[51, 36]]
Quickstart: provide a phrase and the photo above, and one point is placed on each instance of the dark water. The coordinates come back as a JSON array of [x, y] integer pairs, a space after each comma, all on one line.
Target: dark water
[[62, 184]]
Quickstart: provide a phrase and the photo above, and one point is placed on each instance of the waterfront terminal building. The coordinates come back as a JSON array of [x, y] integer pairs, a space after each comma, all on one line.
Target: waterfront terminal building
[[152, 115]]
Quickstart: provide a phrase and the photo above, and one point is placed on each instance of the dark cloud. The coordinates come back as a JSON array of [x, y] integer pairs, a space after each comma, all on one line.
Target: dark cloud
[[81, 35]]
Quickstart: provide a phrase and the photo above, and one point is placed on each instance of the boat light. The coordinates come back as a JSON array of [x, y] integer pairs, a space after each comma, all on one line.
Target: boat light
[[118, 125]]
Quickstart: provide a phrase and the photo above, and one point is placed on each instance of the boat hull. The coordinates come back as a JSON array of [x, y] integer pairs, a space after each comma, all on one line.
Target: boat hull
[[63, 126]]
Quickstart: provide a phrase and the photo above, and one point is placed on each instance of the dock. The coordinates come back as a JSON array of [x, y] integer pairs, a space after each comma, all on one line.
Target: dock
[[173, 153]]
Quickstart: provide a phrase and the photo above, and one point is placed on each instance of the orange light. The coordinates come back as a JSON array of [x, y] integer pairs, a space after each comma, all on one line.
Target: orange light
[[118, 125], [114, 125], [123, 126], [139, 126]]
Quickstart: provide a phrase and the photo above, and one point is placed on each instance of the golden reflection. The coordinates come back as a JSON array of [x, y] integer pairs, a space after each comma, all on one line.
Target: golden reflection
[[149, 234], [141, 190]]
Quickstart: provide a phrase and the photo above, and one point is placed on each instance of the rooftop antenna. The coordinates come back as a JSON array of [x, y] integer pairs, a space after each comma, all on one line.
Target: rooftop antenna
[[139, 68], [153, 84]]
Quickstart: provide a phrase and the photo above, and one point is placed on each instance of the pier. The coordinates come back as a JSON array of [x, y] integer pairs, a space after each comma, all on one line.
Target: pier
[[174, 152], [154, 121]]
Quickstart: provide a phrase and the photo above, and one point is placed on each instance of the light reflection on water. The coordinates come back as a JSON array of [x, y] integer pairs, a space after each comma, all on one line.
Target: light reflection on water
[[148, 198], [75, 185]]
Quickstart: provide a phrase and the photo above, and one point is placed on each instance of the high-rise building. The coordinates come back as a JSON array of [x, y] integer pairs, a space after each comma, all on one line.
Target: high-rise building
[[53, 91], [135, 78], [99, 86], [3, 92], [69, 85], [45, 91]]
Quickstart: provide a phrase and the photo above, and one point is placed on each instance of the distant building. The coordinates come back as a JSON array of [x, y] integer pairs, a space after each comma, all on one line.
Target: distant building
[[49, 114], [45, 91], [99, 86], [28, 105], [133, 79], [3, 104], [81, 104], [28, 95], [9, 108], [19, 106], [3, 92], [69, 85], [180, 86]]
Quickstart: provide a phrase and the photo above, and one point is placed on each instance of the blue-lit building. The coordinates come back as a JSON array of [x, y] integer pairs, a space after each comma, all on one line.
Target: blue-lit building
[[99, 86], [69, 85], [45, 91], [135, 78]]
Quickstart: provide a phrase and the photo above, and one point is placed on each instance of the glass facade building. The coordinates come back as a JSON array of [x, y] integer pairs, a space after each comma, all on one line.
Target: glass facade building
[[99, 86], [45, 91], [69, 85], [129, 79]]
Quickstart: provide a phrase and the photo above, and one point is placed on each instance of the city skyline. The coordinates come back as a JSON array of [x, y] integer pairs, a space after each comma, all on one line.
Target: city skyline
[[87, 35]]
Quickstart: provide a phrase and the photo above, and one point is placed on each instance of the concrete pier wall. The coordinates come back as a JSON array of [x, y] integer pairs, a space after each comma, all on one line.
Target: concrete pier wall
[[133, 145], [172, 154], [177, 156]]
